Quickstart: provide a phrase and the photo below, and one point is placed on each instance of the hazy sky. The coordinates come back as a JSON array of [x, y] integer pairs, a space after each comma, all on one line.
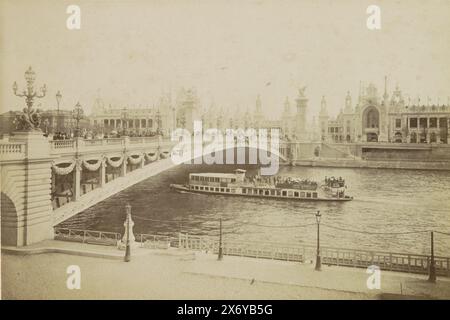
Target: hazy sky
[[130, 51]]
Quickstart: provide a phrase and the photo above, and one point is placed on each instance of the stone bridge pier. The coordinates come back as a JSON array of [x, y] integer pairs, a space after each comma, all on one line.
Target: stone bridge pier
[[25, 189]]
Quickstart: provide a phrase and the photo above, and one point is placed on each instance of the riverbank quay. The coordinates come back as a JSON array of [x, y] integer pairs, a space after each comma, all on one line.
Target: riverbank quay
[[374, 164], [40, 272]]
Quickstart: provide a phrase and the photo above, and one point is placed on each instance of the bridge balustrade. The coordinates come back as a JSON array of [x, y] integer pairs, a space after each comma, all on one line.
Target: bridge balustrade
[[12, 150]]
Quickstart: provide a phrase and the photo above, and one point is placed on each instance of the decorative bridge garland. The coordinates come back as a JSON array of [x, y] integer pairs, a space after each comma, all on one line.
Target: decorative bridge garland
[[92, 166], [115, 163], [151, 156], [164, 154], [135, 159], [132, 159], [62, 171]]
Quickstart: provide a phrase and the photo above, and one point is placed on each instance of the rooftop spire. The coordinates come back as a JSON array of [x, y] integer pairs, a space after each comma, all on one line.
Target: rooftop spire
[[323, 106], [348, 103], [258, 104], [287, 106], [385, 95]]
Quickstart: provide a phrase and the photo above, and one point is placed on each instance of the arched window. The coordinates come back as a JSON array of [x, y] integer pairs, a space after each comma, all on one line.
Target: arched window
[[372, 119]]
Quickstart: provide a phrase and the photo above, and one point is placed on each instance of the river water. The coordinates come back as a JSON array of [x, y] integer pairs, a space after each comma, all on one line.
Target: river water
[[385, 201]]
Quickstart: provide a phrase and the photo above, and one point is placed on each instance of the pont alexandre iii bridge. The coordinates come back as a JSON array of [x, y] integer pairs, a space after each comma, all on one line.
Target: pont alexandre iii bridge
[[44, 182]]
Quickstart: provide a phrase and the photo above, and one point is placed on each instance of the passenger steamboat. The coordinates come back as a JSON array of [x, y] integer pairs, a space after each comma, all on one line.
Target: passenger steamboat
[[331, 189]]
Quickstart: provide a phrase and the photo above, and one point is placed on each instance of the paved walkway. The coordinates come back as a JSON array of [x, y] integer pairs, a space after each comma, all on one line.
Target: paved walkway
[[39, 272]]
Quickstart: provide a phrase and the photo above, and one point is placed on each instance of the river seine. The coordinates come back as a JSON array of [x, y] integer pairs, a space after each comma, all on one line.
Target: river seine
[[386, 201]]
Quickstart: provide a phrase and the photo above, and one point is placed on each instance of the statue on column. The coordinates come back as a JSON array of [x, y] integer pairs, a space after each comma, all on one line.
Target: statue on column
[[301, 92]]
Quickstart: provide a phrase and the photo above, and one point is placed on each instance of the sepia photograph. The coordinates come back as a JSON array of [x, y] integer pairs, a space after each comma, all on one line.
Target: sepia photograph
[[253, 150]]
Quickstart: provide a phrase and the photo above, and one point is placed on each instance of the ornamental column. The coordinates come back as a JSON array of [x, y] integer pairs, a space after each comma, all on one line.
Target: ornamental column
[[448, 130], [102, 172], [77, 180], [123, 166]]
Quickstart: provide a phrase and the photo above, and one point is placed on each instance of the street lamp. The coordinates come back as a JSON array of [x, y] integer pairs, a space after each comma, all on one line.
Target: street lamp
[[183, 120], [30, 120], [46, 123], [158, 121], [220, 256], [125, 123], [58, 100], [127, 249], [78, 114], [174, 118], [432, 271], [318, 262]]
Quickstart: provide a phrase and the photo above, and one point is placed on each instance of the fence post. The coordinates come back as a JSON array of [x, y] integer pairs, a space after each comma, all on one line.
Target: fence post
[[84, 236], [448, 267], [220, 255], [187, 240], [432, 267], [390, 261]]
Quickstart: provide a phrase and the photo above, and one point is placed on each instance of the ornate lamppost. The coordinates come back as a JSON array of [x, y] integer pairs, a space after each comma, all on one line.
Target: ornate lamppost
[[318, 262], [124, 120], [432, 271], [46, 124], [78, 114], [158, 122], [58, 100], [30, 119], [183, 120], [127, 257], [220, 256], [174, 111]]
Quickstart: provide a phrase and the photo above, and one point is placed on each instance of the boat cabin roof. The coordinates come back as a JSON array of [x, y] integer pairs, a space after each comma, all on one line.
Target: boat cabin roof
[[214, 175]]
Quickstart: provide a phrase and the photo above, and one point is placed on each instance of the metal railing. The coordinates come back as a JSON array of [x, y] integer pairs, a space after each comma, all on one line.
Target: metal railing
[[390, 261], [153, 241], [252, 249], [87, 236]]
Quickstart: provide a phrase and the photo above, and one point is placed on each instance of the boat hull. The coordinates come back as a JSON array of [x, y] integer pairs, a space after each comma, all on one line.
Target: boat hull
[[185, 188]]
